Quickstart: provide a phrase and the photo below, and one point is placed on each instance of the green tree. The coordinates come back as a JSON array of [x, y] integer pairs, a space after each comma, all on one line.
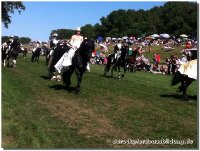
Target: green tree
[[9, 7], [4, 39], [62, 33], [24, 40], [88, 31]]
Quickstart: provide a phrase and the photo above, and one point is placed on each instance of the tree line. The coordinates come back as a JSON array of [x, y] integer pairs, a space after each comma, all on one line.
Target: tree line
[[173, 18], [24, 40]]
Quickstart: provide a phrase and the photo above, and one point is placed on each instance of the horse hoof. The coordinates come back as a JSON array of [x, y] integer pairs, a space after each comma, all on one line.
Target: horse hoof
[[77, 90], [185, 98], [53, 78]]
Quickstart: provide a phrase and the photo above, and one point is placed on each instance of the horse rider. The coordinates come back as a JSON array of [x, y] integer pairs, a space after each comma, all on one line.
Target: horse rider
[[124, 51], [12, 46], [37, 45], [9, 43], [117, 49], [66, 60], [53, 43]]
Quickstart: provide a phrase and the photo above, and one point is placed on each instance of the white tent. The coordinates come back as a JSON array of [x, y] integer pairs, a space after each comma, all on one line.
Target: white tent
[[155, 36], [125, 37], [165, 35], [183, 36], [108, 38]]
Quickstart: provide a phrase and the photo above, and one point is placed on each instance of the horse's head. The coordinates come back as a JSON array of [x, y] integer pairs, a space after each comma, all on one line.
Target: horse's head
[[86, 48]]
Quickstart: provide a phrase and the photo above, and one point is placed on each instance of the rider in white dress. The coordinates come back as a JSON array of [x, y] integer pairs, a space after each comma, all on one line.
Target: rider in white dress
[[66, 59]]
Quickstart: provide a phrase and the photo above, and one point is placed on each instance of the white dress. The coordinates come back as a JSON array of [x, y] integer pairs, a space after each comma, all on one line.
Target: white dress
[[66, 59], [189, 69]]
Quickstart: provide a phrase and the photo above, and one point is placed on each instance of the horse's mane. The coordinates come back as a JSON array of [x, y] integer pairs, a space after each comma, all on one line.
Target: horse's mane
[[87, 46]]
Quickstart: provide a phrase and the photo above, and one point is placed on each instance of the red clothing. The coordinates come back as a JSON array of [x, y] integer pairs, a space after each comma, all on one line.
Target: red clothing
[[158, 58]]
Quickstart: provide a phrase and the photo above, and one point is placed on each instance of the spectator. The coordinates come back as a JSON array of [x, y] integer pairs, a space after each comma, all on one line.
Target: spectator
[[168, 63], [140, 51], [158, 59]]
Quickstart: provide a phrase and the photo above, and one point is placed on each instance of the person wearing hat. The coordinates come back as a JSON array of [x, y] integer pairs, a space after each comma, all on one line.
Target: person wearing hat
[[140, 51], [53, 43], [36, 46], [11, 39], [9, 43], [66, 59], [117, 49]]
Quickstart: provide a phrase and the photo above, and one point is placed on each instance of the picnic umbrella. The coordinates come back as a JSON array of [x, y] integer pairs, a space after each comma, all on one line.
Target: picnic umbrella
[[155, 36], [183, 36], [148, 38], [165, 35], [108, 38], [125, 37]]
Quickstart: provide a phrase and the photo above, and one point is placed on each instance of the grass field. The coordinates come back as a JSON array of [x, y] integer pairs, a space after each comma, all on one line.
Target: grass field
[[39, 113]]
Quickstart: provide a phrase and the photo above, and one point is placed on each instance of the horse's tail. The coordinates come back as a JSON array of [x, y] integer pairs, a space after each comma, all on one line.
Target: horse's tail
[[176, 78]]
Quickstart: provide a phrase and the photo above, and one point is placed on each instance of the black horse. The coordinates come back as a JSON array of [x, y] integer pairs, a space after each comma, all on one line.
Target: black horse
[[36, 55], [79, 62], [24, 52], [184, 79], [58, 52], [116, 64], [11, 51]]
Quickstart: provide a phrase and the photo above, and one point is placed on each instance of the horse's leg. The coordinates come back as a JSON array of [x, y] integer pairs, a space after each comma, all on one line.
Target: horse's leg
[[32, 58], [4, 62], [14, 60], [119, 73], [112, 70], [37, 59], [67, 76], [184, 88], [8, 61], [124, 70], [105, 71], [79, 75]]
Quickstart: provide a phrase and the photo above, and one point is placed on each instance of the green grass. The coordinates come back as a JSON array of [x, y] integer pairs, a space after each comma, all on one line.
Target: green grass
[[39, 113]]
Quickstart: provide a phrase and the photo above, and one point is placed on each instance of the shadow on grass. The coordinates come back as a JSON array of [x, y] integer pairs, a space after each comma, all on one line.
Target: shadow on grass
[[63, 87], [111, 77], [180, 97], [45, 77]]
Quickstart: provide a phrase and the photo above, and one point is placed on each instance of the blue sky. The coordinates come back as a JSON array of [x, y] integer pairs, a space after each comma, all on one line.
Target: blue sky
[[40, 18]]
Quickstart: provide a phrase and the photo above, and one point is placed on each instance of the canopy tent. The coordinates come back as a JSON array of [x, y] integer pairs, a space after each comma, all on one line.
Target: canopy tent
[[155, 36], [183, 36], [125, 37], [132, 37], [148, 38], [165, 35], [108, 38]]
